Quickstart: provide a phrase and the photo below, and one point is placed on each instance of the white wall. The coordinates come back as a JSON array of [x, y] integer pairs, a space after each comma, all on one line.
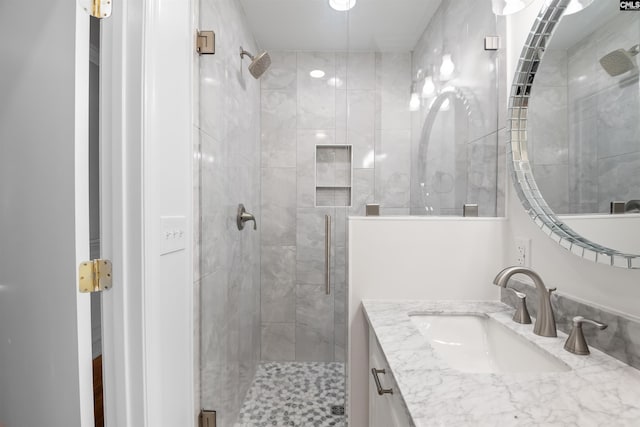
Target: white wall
[[621, 232], [414, 258], [613, 288]]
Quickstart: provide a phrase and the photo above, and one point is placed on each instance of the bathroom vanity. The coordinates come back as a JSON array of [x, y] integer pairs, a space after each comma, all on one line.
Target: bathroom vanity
[[518, 378]]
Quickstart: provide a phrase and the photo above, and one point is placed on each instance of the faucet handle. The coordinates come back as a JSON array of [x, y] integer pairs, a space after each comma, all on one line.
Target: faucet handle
[[576, 343], [244, 216], [522, 314]]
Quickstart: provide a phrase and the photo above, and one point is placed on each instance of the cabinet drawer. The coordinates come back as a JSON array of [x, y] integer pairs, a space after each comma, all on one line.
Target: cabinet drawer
[[387, 409]]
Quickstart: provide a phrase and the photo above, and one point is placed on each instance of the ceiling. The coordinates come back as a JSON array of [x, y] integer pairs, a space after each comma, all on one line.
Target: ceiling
[[311, 25]]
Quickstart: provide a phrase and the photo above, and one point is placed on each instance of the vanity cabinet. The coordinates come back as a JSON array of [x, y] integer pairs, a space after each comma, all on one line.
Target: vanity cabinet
[[386, 410]]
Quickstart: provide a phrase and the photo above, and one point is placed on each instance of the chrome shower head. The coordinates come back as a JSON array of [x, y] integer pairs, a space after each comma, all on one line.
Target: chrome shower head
[[259, 64], [619, 61]]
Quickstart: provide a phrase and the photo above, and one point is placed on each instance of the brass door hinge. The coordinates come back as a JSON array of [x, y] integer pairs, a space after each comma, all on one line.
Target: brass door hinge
[[95, 276], [206, 43], [97, 8]]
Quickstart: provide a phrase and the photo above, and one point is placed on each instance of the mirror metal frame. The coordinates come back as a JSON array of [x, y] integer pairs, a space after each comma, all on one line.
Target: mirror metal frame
[[520, 167]]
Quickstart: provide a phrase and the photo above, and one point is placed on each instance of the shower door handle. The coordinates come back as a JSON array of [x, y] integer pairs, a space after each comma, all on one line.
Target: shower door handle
[[327, 253]]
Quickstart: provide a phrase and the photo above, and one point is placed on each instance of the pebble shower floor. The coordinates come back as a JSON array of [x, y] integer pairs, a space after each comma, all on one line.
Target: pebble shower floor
[[294, 394]]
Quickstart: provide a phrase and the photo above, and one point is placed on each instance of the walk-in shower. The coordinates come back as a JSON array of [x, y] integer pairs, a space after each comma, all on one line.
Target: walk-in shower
[[326, 130]]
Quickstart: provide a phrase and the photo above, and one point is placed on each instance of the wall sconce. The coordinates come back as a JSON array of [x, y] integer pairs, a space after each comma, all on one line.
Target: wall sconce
[[508, 7], [97, 8], [447, 67]]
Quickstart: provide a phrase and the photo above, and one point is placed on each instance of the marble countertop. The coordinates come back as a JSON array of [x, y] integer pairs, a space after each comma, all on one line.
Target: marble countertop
[[598, 390]]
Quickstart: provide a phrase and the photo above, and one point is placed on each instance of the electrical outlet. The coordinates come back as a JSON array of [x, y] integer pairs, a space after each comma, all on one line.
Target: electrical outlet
[[523, 251]]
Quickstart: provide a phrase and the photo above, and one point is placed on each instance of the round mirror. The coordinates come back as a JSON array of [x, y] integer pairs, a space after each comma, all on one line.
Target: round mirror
[[574, 133]]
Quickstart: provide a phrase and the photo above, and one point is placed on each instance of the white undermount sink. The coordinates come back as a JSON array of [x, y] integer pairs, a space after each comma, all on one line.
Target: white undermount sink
[[480, 344]]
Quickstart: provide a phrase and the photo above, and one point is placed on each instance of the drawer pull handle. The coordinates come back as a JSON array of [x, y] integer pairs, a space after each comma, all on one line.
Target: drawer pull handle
[[381, 390]]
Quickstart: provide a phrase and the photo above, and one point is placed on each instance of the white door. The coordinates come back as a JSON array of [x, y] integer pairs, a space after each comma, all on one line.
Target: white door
[[45, 336]]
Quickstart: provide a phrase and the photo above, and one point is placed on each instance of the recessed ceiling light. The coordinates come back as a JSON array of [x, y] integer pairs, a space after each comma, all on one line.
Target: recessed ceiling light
[[342, 5], [317, 74]]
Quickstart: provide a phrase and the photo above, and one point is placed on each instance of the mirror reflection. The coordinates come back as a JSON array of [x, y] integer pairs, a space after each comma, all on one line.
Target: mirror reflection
[[454, 114], [583, 130], [442, 160]]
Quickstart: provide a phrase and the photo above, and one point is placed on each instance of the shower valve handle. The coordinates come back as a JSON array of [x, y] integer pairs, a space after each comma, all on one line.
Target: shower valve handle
[[244, 216]]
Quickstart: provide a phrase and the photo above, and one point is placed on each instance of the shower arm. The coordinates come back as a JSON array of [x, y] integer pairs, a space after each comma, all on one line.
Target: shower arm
[[244, 52]]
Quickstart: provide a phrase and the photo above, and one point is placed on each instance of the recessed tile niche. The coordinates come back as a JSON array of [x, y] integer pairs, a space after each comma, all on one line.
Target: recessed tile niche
[[333, 175]]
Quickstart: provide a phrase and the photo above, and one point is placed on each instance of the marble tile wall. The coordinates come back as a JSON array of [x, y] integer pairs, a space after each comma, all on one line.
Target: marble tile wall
[[548, 130], [621, 339], [584, 127], [454, 141], [227, 167], [362, 101]]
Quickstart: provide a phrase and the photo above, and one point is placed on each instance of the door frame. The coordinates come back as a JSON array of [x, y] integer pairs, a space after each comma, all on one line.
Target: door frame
[[146, 172], [121, 213]]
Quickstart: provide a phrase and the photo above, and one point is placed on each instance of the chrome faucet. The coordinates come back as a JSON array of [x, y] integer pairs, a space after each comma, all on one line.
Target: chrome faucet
[[545, 321]]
